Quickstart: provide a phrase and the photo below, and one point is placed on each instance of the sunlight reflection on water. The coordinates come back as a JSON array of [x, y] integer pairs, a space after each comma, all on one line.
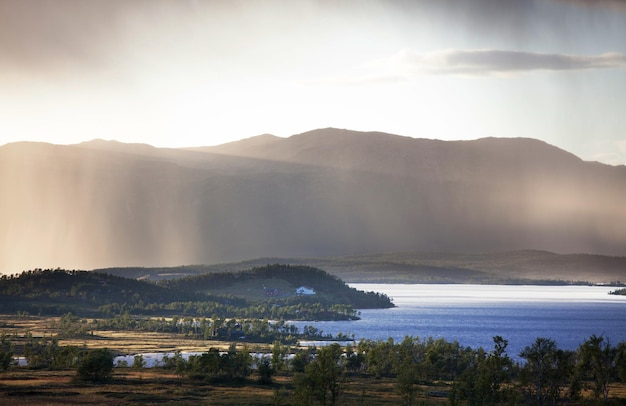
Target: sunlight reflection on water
[[448, 293], [474, 314]]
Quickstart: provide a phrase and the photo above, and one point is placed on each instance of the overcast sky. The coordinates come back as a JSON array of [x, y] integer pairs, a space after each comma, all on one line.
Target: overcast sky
[[189, 73]]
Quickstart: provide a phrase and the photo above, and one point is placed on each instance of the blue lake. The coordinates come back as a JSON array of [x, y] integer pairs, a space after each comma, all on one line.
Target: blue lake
[[473, 314]]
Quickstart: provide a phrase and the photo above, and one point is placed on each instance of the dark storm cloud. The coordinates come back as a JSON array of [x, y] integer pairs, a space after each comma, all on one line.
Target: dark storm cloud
[[564, 25], [508, 19], [612, 4]]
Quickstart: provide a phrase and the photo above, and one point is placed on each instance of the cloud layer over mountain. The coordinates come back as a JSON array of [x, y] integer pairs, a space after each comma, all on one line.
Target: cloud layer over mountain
[[325, 192]]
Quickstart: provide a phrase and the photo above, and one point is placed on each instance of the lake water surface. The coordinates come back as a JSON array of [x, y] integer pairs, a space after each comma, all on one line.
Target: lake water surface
[[473, 314]]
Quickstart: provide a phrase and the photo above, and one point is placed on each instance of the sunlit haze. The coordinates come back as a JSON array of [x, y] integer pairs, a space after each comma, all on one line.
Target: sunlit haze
[[192, 73]]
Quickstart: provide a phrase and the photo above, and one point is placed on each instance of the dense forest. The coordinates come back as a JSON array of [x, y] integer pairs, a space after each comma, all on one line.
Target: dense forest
[[413, 370], [328, 288], [58, 291]]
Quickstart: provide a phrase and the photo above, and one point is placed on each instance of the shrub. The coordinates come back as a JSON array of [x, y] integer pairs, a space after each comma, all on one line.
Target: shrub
[[96, 366], [6, 359]]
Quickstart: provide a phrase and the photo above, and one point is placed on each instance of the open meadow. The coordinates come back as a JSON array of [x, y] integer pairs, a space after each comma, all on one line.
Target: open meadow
[[22, 385], [156, 386], [375, 373]]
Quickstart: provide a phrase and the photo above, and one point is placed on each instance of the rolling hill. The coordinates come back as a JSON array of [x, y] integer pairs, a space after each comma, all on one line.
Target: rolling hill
[[227, 294], [327, 192]]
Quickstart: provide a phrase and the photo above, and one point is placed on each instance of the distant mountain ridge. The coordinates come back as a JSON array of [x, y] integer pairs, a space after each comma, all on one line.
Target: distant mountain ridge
[[327, 192], [355, 150], [510, 267]]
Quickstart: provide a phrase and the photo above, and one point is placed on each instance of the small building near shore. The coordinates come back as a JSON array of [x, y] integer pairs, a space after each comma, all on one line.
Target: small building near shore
[[305, 291]]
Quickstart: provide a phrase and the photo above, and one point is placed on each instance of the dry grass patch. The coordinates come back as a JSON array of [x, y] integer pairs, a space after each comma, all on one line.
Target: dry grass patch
[[37, 326], [122, 342], [132, 342]]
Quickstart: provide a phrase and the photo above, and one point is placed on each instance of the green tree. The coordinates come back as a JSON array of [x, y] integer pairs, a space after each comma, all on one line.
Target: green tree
[[406, 383], [408, 358], [620, 360], [66, 357], [597, 362], [265, 370], [171, 362], [546, 372], [565, 375], [322, 377], [6, 358], [468, 385], [436, 358], [354, 359], [39, 351], [236, 365], [96, 366], [70, 326], [300, 360], [139, 362], [380, 356], [279, 352], [205, 365], [495, 371]]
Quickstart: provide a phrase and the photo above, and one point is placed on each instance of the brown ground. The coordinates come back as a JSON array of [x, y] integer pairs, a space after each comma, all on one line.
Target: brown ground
[[155, 386]]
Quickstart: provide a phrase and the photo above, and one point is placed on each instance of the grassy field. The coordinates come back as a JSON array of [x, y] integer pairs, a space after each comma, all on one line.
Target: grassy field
[[156, 386], [130, 386], [21, 386], [24, 386], [119, 342]]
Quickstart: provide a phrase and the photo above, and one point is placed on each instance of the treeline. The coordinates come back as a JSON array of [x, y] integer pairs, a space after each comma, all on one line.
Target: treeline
[[215, 328], [251, 330], [303, 309], [58, 291], [544, 375]]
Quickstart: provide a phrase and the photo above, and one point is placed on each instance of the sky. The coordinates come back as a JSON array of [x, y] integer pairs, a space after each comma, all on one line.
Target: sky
[[197, 73]]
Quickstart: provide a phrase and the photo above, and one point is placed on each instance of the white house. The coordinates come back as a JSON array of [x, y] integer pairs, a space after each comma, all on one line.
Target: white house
[[305, 291]]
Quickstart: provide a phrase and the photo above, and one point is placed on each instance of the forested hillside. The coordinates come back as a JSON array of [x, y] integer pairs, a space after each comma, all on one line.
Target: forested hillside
[[56, 292], [328, 288]]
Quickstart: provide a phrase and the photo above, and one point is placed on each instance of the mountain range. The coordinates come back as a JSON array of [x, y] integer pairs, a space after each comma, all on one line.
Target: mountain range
[[327, 192]]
